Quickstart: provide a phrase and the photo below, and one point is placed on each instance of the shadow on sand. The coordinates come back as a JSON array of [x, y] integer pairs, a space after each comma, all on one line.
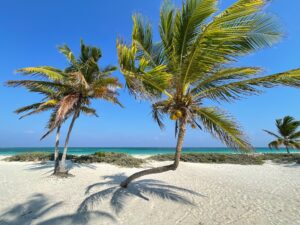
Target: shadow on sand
[[38, 206], [143, 189], [49, 166]]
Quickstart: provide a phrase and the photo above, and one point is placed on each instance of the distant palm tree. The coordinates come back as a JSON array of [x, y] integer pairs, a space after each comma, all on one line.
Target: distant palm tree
[[192, 63], [74, 87], [288, 135]]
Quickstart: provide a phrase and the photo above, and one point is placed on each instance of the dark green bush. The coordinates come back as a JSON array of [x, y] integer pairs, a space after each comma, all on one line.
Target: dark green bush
[[119, 159], [213, 158], [243, 159], [32, 156], [35, 156], [282, 158]]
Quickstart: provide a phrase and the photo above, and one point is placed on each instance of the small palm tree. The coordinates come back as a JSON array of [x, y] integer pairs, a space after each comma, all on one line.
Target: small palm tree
[[193, 63], [74, 88], [288, 135]]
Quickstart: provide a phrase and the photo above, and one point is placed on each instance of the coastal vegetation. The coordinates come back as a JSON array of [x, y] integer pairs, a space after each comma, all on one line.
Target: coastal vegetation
[[192, 65], [126, 160], [118, 159], [69, 92], [289, 135]]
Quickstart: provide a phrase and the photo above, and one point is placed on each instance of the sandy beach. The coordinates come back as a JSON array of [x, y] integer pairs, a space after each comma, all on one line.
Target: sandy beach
[[199, 194]]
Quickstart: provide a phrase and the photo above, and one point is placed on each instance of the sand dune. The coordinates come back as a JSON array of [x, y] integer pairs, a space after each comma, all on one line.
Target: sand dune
[[194, 194]]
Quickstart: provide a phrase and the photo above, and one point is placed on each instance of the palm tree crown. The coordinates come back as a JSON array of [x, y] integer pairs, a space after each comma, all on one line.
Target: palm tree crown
[[69, 92], [193, 62], [288, 135]]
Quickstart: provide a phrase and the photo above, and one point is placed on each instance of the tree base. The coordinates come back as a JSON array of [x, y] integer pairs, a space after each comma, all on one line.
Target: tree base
[[63, 175]]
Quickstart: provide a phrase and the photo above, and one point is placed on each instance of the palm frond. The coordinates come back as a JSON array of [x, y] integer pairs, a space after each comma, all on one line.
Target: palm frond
[[44, 71], [295, 135], [150, 83], [237, 31], [271, 133], [157, 114], [65, 50], [223, 127], [89, 111], [275, 144], [187, 25], [234, 90], [166, 29]]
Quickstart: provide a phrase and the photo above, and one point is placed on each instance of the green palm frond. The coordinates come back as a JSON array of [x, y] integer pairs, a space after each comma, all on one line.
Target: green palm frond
[[271, 133], [151, 83], [187, 25], [295, 135], [224, 76], [44, 71], [237, 31], [89, 111], [27, 108], [34, 84], [223, 127], [234, 90], [166, 29], [65, 50], [42, 108], [276, 144], [158, 109]]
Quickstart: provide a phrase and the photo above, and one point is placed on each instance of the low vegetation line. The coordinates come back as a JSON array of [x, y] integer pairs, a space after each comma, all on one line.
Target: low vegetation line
[[126, 160]]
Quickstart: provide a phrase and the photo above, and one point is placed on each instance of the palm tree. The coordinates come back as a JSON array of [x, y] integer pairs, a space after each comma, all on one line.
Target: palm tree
[[288, 134], [82, 81], [192, 64], [52, 95]]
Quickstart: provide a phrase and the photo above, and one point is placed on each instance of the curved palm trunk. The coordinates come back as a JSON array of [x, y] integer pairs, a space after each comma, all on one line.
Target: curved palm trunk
[[56, 150], [173, 166], [287, 149], [62, 164]]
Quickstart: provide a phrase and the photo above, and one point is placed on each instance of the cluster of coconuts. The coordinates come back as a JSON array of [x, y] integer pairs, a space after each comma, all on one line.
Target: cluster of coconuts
[[175, 115]]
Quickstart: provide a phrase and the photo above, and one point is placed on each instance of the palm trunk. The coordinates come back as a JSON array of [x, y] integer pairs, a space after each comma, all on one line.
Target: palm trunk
[[56, 150], [287, 149], [173, 166], [62, 164]]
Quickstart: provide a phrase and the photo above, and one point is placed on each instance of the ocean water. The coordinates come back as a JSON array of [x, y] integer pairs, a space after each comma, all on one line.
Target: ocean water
[[133, 150]]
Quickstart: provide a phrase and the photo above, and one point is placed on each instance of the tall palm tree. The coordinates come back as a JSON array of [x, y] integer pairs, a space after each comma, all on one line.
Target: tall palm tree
[[288, 134], [193, 62], [82, 81]]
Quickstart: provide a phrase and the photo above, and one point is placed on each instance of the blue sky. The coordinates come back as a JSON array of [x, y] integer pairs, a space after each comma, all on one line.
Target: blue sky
[[31, 30]]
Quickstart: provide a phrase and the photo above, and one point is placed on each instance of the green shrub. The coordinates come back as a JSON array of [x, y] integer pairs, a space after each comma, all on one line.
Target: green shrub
[[35, 156], [243, 159], [30, 156], [119, 159]]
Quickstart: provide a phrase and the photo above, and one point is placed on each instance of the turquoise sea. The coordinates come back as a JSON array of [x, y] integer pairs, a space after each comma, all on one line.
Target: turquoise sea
[[132, 150]]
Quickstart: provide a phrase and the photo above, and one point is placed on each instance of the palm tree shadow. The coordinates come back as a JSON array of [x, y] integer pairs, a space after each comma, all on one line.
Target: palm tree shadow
[[142, 189], [38, 206], [49, 165]]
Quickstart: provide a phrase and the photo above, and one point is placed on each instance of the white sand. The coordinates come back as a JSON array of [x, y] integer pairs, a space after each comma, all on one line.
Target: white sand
[[227, 194]]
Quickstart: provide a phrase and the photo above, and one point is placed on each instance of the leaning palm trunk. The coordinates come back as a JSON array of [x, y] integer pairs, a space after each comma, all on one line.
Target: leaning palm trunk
[[62, 165], [173, 166], [56, 151]]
